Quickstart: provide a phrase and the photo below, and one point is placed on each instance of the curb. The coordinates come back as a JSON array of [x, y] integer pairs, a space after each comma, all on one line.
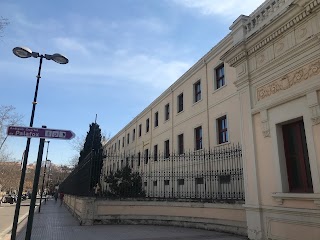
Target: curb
[[5, 234]]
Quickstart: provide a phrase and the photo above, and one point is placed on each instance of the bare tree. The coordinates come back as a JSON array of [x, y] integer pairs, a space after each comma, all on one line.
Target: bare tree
[[8, 116], [3, 23]]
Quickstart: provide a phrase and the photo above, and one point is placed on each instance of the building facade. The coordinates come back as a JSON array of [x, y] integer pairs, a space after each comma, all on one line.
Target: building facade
[[259, 87]]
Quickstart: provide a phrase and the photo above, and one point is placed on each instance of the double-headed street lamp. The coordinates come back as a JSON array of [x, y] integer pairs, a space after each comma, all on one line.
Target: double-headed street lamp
[[24, 52]]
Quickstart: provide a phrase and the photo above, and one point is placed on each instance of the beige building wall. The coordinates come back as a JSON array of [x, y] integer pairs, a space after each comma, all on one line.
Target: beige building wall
[[272, 72], [214, 103], [277, 59]]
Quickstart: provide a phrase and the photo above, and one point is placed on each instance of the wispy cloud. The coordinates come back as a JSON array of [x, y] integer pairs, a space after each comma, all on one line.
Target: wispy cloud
[[230, 8], [127, 67], [71, 45]]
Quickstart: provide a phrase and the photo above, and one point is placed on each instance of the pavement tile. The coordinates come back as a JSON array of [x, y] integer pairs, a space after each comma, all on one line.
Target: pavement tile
[[55, 222]]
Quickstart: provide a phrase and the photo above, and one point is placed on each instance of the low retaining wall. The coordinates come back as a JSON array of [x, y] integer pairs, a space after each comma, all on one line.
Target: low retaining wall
[[211, 216]]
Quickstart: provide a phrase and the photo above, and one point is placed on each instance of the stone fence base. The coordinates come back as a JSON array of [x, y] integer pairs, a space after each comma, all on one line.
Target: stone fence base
[[211, 216]]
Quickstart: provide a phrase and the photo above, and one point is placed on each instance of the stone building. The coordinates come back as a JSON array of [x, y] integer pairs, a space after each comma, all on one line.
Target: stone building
[[259, 87]]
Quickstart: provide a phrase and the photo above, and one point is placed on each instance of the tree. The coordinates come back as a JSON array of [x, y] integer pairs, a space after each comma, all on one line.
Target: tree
[[92, 153], [8, 116], [124, 184], [92, 142], [3, 23]]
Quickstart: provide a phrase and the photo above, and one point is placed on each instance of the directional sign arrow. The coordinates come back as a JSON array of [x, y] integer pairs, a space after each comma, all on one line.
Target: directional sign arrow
[[31, 132]]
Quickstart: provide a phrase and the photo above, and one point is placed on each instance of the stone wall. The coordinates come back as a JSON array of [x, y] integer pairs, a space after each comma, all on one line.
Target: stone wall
[[211, 216]]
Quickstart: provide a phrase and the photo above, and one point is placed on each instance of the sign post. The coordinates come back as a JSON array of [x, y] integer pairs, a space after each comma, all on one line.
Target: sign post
[[34, 190], [42, 133], [31, 132]]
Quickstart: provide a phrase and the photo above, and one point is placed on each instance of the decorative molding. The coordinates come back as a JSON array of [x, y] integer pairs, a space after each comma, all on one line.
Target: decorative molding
[[289, 80], [280, 197], [307, 10], [237, 58], [265, 123]]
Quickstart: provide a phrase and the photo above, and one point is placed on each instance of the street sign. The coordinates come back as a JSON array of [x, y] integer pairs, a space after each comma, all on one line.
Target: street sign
[[31, 132]]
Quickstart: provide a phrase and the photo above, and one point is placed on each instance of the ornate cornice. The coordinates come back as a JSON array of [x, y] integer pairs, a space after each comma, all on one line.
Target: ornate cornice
[[239, 57], [289, 80], [302, 15], [308, 8]]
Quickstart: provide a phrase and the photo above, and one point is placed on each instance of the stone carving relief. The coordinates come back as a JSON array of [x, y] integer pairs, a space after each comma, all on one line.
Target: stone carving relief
[[301, 33], [289, 80], [279, 46], [265, 123], [314, 106], [261, 59], [315, 113]]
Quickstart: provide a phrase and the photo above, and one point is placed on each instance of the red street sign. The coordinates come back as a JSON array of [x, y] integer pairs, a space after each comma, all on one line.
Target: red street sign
[[31, 132]]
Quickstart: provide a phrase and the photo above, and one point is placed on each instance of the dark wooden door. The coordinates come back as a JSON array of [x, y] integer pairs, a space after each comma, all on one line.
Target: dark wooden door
[[297, 158]]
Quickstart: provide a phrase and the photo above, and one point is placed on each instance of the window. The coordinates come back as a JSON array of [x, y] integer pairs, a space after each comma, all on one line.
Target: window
[[146, 156], [132, 158], [139, 158], [140, 128], [222, 130], [166, 149], [115, 146], [197, 91], [180, 144], [156, 119], [180, 103], [198, 138], [297, 158], [123, 142], [219, 71], [128, 138], [155, 152], [133, 135], [119, 145], [147, 125], [166, 112]]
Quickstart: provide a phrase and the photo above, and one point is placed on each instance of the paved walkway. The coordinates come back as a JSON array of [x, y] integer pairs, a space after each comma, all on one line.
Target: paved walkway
[[56, 223]]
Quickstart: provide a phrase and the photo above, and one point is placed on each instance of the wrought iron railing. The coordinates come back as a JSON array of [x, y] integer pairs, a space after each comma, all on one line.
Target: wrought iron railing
[[203, 175], [82, 180]]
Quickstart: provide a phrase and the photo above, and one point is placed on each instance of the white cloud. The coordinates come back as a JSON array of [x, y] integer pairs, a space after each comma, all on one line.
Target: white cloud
[[71, 45], [229, 8], [129, 68]]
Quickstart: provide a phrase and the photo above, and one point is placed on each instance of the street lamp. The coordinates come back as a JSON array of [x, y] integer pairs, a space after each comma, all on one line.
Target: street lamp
[[44, 175], [24, 52]]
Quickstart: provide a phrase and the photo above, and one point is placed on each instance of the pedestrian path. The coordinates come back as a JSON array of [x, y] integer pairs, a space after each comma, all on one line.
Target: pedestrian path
[[55, 222]]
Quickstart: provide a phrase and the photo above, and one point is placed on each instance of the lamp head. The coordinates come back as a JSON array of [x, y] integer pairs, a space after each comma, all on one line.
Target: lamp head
[[58, 58], [22, 52]]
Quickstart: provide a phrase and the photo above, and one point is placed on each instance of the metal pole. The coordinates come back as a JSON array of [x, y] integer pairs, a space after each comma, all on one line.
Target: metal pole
[[25, 160], [49, 173], [44, 175], [35, 189]]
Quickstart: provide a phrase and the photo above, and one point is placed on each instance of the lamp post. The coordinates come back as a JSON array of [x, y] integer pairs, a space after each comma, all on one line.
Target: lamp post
[[24, 52], [44, 175]]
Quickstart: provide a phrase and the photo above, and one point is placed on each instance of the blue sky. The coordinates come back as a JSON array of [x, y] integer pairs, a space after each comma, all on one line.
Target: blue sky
[[122, 53]]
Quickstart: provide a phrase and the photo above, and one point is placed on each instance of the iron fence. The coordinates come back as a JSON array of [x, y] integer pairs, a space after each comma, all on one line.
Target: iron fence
[[84, 177], [202, 175]]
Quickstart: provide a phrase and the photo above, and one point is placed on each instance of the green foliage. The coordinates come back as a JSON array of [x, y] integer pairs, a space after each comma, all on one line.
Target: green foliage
[[92, 143], [124, 184]]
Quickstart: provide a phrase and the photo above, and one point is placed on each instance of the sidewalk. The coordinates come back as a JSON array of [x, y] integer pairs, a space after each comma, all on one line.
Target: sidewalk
[[56, 223]]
